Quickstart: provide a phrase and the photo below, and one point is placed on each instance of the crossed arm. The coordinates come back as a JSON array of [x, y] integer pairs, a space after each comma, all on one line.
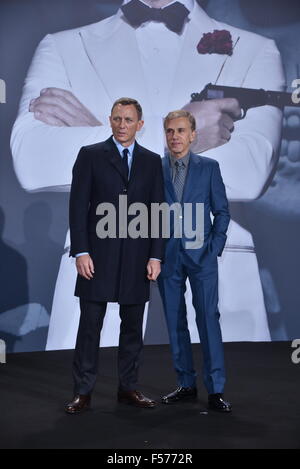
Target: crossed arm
[[53, 124]]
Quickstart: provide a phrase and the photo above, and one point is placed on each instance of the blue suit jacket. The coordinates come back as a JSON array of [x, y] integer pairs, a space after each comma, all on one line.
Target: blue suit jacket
[[203, 184]]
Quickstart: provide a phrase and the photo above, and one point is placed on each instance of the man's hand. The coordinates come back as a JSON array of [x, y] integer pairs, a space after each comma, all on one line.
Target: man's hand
[[153, 270], [215, 122], [85, 266], [61, 108]]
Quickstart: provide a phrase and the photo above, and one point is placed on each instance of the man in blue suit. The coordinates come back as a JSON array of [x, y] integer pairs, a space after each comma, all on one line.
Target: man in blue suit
[[193, 179]]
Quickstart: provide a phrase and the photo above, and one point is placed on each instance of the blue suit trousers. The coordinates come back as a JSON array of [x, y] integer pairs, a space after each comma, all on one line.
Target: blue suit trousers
[[204, 286]]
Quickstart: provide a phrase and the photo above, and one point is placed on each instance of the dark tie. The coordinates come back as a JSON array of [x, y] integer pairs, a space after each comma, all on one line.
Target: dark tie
[[125, 161], [179, 179], [173, 16]]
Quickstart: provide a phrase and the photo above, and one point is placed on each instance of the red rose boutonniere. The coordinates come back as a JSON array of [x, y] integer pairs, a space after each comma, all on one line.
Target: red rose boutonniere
[[218, 42]]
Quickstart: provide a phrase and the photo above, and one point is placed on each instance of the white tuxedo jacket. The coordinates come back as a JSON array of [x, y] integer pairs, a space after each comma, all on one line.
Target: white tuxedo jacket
[[87, 61]]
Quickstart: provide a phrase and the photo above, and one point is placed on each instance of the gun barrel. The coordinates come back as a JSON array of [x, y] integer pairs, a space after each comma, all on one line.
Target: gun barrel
[[281, 99], [247, 97]]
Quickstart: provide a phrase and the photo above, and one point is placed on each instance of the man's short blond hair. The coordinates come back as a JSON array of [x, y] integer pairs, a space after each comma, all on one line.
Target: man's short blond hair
[[178, 114], [129, 102]]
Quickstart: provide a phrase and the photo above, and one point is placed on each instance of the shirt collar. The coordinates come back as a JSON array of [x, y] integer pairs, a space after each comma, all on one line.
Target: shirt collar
[[121, 148], [189, 4], [185, 159]]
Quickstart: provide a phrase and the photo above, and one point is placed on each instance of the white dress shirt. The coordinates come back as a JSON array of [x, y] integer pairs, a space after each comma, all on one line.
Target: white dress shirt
[[159, 49]]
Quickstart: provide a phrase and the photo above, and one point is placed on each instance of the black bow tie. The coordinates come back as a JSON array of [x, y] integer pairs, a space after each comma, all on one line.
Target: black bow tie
[[173, 16]]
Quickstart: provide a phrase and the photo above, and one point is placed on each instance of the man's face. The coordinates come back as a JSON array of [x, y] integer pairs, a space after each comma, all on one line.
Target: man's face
[[157, 3], [125, 123], [179, 136]]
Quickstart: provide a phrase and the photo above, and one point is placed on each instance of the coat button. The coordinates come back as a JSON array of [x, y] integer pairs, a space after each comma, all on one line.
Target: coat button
[[124, 190]]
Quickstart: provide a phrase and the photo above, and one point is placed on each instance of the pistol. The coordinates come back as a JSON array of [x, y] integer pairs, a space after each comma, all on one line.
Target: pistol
[[248, 97]]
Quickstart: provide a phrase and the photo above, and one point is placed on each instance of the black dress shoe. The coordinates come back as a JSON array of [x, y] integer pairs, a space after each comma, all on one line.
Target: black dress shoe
[[79, 404], [216, 402], [180, 394], [136, 398]]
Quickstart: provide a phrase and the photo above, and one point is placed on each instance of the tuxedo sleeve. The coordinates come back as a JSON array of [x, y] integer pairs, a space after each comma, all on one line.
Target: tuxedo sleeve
[[248, 159], [79, 203], [158, 196], [43, 155], [219, 209]]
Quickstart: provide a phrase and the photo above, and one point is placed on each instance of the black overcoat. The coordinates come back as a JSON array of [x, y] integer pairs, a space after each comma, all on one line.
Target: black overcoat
[[120, 263]]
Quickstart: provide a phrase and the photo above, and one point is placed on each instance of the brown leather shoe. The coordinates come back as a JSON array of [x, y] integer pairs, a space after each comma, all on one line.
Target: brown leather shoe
[[136, 398], [80, 403]]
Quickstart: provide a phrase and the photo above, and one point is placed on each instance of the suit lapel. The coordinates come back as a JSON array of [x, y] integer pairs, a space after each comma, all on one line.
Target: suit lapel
[[136, 167], [115, 158], [194, 68], [193, 178], [113, 51], [167, 178]]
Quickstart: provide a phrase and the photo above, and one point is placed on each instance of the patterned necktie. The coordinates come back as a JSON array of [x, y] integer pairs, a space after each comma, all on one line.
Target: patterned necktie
[[179, 179], [125, 162], [172, 16]]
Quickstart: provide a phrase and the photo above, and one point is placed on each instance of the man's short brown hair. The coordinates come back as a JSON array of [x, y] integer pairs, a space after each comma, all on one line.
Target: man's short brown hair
[[177, 114], [129, 102]]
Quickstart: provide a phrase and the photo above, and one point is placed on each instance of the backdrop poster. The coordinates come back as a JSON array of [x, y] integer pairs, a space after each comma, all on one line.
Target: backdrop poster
[[90, 51]]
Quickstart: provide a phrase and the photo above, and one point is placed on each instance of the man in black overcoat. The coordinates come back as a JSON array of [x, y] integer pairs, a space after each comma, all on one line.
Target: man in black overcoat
[[113, 264]]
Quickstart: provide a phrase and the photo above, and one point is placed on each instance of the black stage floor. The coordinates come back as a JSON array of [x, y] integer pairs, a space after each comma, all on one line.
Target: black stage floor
[[263, 385]]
